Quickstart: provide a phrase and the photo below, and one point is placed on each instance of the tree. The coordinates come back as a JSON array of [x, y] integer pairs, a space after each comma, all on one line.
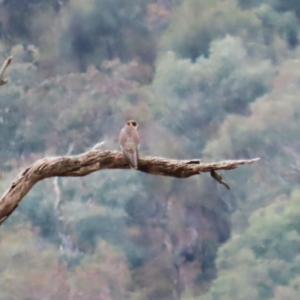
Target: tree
[[203, 92], [263, 262], [197, 23], [115, 29]]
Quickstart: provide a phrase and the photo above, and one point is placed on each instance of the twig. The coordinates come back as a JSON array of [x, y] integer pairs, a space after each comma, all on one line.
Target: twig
[[3, 68], [218, 177]]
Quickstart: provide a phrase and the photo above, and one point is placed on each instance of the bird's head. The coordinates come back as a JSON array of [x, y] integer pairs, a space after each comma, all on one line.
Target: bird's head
[[132, 123]]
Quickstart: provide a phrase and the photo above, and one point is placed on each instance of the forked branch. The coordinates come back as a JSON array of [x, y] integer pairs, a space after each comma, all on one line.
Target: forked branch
[[95, 160]]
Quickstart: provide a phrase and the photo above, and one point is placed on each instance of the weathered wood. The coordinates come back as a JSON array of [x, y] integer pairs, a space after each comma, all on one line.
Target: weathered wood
[[95, 160], [3, 68]]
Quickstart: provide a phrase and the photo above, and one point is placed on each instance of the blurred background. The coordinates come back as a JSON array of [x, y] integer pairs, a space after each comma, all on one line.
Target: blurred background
[[215, 80]]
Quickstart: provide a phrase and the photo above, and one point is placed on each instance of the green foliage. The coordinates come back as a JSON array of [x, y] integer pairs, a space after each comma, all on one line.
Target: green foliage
[[225, 86], [102, 29], [20, 14], [198, 23], [203, 92], [266, 256], [279, 5], [259, 135], [28, 264], [284, 24], [95, 276]]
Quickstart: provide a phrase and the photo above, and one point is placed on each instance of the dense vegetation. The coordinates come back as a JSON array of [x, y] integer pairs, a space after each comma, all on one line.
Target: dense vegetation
[[215, 79]]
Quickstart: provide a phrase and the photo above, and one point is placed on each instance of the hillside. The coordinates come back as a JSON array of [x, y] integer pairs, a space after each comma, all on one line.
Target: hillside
[[213, 80]]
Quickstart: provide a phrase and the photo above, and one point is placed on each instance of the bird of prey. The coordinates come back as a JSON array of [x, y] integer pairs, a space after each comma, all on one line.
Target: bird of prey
[[129, 143]]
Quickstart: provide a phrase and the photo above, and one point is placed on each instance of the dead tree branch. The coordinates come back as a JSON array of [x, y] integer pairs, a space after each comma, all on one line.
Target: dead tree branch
[[95, 160], [2, 70]]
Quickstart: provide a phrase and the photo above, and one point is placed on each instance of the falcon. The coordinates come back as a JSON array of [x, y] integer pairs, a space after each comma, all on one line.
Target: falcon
[[129, 143]]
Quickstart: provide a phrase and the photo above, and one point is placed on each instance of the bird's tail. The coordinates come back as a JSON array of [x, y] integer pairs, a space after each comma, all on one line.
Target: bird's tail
[[131, 159], [134, 160]]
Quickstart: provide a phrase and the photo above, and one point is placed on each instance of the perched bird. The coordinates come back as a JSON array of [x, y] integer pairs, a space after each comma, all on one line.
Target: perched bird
[[129, 143]]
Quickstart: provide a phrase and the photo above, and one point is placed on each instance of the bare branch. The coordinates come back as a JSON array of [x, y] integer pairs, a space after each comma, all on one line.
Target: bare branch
[[95, 160], [3, 68]]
